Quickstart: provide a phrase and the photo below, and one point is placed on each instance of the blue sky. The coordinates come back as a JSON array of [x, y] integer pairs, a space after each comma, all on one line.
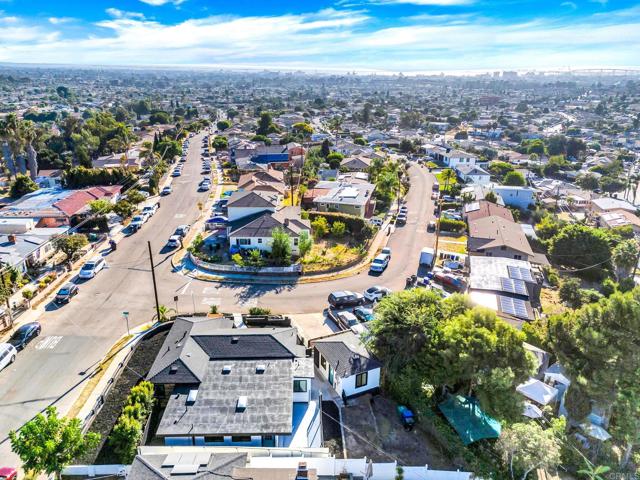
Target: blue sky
[[340, 35]]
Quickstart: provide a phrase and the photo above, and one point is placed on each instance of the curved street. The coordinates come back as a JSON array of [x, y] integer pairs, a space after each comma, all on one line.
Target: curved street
[[52, 370]]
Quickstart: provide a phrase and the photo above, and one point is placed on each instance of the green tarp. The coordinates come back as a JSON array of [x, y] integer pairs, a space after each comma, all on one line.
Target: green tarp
[[468, 420]]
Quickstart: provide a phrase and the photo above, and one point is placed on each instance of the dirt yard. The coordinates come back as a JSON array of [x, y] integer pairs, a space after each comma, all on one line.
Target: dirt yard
[[373, 429]]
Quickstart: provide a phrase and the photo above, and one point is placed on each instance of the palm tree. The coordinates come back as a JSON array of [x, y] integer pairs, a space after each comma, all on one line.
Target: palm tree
[[147, 154], [29, 134], [165, 313], [447, 175], [11, 142]]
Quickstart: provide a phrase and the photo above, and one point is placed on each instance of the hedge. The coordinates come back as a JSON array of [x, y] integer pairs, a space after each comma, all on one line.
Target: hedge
[[448, 225], [359, 227]]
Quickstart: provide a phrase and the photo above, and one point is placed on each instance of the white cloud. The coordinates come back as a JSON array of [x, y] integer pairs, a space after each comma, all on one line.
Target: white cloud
[[333, 39], [60, 20], [570, 5], [158, 3]]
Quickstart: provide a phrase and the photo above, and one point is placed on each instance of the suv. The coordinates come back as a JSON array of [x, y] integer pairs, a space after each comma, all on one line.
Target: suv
[[345, 299], [23, 335], [66, 293], [150, 210], [379, 264], [348, 321], [92, 267], [376, 293], [7, 354]]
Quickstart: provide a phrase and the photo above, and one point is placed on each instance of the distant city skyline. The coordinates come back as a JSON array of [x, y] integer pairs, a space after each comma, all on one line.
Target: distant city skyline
[[385, 36]]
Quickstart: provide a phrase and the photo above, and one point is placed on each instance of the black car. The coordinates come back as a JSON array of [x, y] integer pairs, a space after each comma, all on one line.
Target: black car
[[66, 293], [23, 335], [345, 299]]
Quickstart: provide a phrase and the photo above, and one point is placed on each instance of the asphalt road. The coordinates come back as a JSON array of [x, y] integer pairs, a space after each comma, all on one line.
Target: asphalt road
[[75, 337], [52, 369]]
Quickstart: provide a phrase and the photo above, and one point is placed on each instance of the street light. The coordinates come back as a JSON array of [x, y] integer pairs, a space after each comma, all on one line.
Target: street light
[[126, 317]]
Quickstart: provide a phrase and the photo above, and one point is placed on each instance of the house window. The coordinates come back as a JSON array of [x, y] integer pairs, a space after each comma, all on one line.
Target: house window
[[503, 248], [295, 241], [214, 439], [240, 438], [299, 386], [518, 257], [323, 362], [361, 379], [243, 241], [259, 240]]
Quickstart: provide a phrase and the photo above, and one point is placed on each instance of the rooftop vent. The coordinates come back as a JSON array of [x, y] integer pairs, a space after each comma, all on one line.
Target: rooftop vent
[[241, 406], [260, 368], [173, 369], [191, 398], [226, 369], [234, 339]]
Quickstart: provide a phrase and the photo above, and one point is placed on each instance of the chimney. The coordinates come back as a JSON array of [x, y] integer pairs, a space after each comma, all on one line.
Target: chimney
[[302, 473], [12, 238]]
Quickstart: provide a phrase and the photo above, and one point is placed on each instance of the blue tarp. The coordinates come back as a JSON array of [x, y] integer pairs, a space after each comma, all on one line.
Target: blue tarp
[[468, 420]]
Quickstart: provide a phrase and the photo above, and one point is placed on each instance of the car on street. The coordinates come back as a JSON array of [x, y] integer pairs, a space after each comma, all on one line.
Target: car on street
[[176, 173], [431, 226], [345, 298], [8, 473], [166, 191], [376, 221], [24, 334], [91, 268], [401, 219], [182, 230], [363, 314], [66, 293], [137, 221], [150, 210], [404, 209], [7, 355], [434, 195], [376, 293], [380, 263], [386, 251], [183, 158], [174, 241]]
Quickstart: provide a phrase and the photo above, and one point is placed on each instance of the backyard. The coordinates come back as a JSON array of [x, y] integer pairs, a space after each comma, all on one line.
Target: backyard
[[327, 254]]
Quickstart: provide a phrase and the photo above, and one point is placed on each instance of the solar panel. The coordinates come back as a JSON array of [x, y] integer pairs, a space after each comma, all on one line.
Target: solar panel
[[513, 286], [514, 306], [519, 273]]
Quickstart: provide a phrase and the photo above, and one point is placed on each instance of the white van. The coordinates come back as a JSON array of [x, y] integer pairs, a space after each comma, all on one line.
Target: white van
[[92, 267], [7, 354]]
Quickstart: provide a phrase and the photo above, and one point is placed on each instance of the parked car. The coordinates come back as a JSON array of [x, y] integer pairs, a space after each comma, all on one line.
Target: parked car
[[376, 221], [386, 251], [380, 263], [138, 220], [91, 268], [8, 473], [345, 298], [174, 241], [166, 191], [376, 293], [363, 314], [150, 210], [204, 185], [401, 219], [182, 230], [7, 356], [66, 293], [24, 334], [404, 209], [348, 321], [434, 195], [176, 173], [431, 226]]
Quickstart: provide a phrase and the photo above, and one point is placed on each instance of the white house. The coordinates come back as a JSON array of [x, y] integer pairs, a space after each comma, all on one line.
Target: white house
[[473, 174], [244, 203], [346, 364], [514, 196]]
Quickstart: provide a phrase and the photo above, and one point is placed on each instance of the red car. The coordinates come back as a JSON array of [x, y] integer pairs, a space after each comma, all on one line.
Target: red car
[[8, 473]]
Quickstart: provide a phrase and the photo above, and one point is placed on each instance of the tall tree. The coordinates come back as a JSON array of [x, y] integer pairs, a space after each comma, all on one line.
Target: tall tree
[[526, 447]]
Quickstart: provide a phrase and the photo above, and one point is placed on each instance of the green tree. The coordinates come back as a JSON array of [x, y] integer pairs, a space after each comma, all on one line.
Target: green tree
[[167, 148], [320, 227], [625, 258], [135, 197], [500, 169], [570, 293], [21, 186], [123, 208], [220, 143], [280, 247], [70, 244], [302, 128], [514, 179], [266, 125], [159, 117], [338, 228], [447, 176], [125, 438], [581, 246], [491, 197], [325, 149], [48, 443], [222, 125], [548, 227], [100, 206], [588, 181], [525, 447], [305, 243], [557, 145], [165, 313], [334, 159]]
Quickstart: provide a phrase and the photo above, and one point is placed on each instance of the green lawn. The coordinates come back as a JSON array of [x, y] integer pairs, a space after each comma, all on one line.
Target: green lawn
[[453, 181]]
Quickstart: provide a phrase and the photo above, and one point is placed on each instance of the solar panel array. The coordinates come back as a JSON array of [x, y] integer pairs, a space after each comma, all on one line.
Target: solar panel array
[[519, 273], [514, 306], [513, 286]]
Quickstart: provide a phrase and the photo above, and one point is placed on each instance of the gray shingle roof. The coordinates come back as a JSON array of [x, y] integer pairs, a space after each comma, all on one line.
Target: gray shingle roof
[[220, 466], [346, 354], [221, 347], [251, 199]]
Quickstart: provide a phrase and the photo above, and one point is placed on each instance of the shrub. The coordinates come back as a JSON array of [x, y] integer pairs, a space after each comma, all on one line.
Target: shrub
[[320, 227], [590, 296], [237, 259], [570, 293], [259, 311], [125, 437], [359, 227], [608, 287], [338, 228], [448, 225], [142, 394], [552, 276], [626, 284], [28, 294], [213, 309]]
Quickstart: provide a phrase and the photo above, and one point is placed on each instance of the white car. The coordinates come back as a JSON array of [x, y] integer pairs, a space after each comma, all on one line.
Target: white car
[[138, 221], [380, 263], [174, 241], [386, 251], [166, 190], [7, 354], [150, 210], [376, 293], [91, 268]]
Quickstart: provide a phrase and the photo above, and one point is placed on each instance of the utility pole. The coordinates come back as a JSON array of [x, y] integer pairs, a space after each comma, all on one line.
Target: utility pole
[[155, 286]]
